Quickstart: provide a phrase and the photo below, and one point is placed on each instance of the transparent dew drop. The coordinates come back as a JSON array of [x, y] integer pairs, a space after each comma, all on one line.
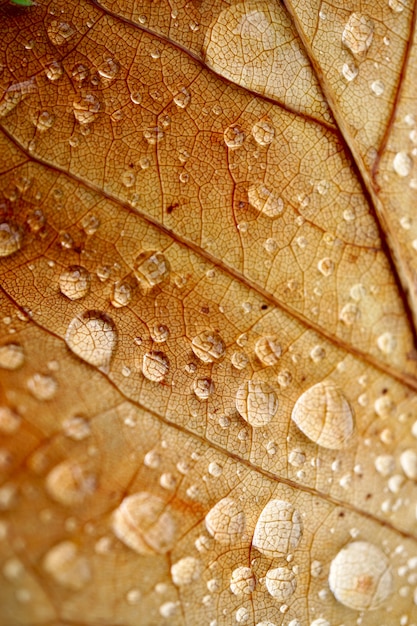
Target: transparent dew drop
[[109, 69], [43, 120], [186, 571], [324, 415], [42, 387], [234, 137], [239, 360], [122, 294], [203, 388], [86, 108], [136, 97], [360, 576], [11, 239], [386, 343], [349, 71], [263, 132], [151, 268], [358, 34], [153, 135], [74, 282], [60, 33], [67, 566], [76, 428], [265, 201], [268, 350], [144, 523], [208, 346], [408, 461], [378, 87], [159, 333], [397, 6], [183, 98], [242, 581], [402, 164], [256, 402], [226, 521], [278, 530], [12, 356], [70, 483], [92, 336], [155, 366], [54, 71], [326, 266], [280, 583], [349, 314], [10, 421]]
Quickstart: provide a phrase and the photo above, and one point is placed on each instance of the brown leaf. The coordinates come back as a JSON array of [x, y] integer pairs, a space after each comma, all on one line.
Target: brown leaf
[[207, 355]]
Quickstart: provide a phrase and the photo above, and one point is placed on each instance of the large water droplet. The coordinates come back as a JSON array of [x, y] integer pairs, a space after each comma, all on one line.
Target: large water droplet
[[11, 356], [67, 566], [10, 239], [151, 268], [226, 521], [360, 576], [185, 571], [69, 483], [278, 530], [155, 366], [143, 523], [93, 337], [74, 282], [60, 32], [208, 346], [280, 583], [324, 415], [256, 402], [358, 34], [242, 581]]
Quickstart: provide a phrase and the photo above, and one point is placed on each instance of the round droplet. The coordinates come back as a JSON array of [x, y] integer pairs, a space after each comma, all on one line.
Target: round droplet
[[408, 460], [265, 201], [54, 71], [226, 521], [358, 34], [256, 402], [10, 239], [11, 356], [280, 583], [378, 87], [385, 464], [324, 415], [159, 333], [278, 530], [43, 120], [234, 137], [349, 314], [182, 99], [203, 388], [208, 346], [155, 366], [42, 387], [242, 581], [9, 421], [86, 109], [151, 268], [268, 350], [67, 566], [402, 164], [263, 132], [386, 343], [60, 32], [109, 69], [326, 266], [185, 571], [144, 524], [239, 360], [92, 337], [360, 576], [122, 294], [74, 282], [69, 483], [153, 135]]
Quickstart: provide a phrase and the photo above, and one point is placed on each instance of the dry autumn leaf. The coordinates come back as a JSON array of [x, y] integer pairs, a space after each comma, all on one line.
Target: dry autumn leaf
[[208, 313]]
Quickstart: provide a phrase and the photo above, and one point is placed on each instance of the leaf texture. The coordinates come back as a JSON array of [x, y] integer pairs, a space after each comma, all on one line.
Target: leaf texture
[[207, 346]]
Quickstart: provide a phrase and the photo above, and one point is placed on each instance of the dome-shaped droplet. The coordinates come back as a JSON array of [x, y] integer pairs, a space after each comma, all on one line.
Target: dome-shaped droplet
[[408, 461], [324, 415], [358, 34], [280, 583], [86, 109], [60, 32], [242, 581], [67, 566], [203, 388], [234, 137], [256, 402], [70, 483], [263, 132], [159, 333], [9, 421], [10, 239], [151, 268], [360, 576], [12, 356], [122, 294], [278, 530], [144, 524], [182, 99], [93, 337], [42, 387], [155, 366], [265, 201], [185, 571], [268, 350], [153, 135], [402, 164], [74, 282], [208, 346], [109, 69], [226, 521]]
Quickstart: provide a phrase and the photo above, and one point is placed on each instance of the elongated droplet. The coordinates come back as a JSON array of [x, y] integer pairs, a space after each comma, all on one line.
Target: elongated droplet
[[93, 337], [358, 34]]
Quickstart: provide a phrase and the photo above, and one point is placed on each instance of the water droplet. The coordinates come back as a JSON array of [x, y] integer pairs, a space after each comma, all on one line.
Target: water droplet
[[349, 71], [234, 137], [136, 97], [215, 469], [263, 132], [152, 459], [11, 356], [9, 421], [324, 415], [408, 460], [10, 239], [278, 530], [386, 343], [74, 282], [86, 109], [242, 581], [69, 483], [155, 366], [128, 179], [153, 135], [360, 576], [256, 402], [208, 346], [385, 464], [92, 336], [226, 521], [239, 360], [60, 32], [280, 583], [378, 87], [358, 34], [159, 333], [265, 201], [317, 353], [144, 524], [54, 71], [122, 294], [42, 387], [182, 99], [203, 388], [43, 120], [185, 571], [349, 314], [109, 69], [67, 566], [268, 350], [402, 164], [397, 6], [151, 268]]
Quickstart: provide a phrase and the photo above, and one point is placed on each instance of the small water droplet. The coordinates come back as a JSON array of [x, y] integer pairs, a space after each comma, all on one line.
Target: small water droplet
[[43, 120], [182, 99], [226, 521], [11, 239], [10, 421], [136, 97], [67, 566], [74, 282], [402, 164], [186, 571], [257, 403], [263, 132], [358, 34], [203, 388], [92, 336], [151, 268], [54, 71], [153, 135], [349, 71], [239, 360], [122, 294], [12, 356], [349, 314], [265, 201], [155, 366], [397, 6], [378, 87], [280, 583], [386, 343], [86, 108], [268, 350], [42, 387], [60, 33], [278, 530], [208, 346], [242, 581], [234, 137], [109, 69], [69, 483], [76, 428]]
